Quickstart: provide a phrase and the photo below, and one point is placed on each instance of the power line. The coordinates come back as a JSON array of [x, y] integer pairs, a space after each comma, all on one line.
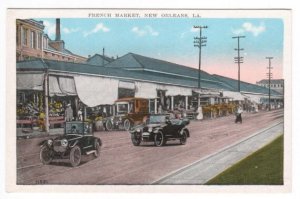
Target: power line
[[200, 42], [239, 60], [269, 75]]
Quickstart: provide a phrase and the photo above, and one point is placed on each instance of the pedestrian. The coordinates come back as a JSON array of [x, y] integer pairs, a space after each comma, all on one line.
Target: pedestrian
[[239, 115], [79, 114], [200, 113], [69, 113]]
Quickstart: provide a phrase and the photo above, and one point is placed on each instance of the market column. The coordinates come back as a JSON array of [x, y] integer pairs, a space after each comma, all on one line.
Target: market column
[[172, 103], [155, 105], [186, 102]]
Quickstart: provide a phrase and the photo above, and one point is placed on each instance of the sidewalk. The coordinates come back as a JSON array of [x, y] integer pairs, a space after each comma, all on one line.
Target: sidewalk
[[205, 169], [27, 133]]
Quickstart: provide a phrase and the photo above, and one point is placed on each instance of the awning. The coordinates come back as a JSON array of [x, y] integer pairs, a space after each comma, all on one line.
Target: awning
[[206, 92], [234, 95], [67, 85], [94, 91], [30, 81], [177, 90], [127, 85], [254, 98], [54, 89], [146, 90]]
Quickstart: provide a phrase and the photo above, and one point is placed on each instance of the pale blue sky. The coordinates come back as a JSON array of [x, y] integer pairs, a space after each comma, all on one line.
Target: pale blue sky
[[172, 40]]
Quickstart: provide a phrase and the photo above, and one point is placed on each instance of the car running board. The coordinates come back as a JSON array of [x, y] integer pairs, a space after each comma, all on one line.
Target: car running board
[[89, 152]]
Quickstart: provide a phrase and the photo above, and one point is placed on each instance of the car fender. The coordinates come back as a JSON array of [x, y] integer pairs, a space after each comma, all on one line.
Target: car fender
[[74, 144], [157, 129], [188, 132]]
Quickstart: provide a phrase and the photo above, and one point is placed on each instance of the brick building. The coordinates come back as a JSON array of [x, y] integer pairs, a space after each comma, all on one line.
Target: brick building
[[32, 43]]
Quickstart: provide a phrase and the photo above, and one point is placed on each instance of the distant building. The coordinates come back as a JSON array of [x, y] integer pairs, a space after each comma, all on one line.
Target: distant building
[[99, 60], [32, 43], [275, 84]]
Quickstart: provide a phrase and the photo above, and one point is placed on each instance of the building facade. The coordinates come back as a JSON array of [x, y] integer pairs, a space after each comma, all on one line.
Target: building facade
[[33, 43], [275, 84]]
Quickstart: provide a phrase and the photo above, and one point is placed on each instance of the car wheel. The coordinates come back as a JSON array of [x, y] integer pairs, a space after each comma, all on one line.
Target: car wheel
[[136, 141], [45, 155], [127, 125], [183, 138], [159, 139], [108, 125], [75, 156], [97, 149]]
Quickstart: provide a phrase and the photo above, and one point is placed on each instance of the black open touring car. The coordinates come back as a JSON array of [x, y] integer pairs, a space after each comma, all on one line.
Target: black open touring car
[[160, 129]]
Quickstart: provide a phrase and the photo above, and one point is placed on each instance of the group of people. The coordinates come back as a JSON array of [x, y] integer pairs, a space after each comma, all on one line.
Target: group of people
[[69, 116]]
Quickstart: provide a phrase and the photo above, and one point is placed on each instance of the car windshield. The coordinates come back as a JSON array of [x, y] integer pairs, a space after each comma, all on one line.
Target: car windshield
[[74, 128], [122, 108], [155, 119]]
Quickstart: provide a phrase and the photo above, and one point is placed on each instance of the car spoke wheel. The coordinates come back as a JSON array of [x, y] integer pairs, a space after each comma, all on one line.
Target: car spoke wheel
[[136, 140], [108, 125], [97, 149], [45, 155], [127, 125], [183, 138], [75, 156], [159, 139]]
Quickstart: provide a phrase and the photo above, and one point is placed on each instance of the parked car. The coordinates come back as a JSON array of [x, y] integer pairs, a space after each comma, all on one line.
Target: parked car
[[78, 140], [160, 129], [128, 113]]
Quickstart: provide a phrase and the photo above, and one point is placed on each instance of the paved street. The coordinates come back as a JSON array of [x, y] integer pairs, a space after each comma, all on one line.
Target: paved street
[[122, 163]]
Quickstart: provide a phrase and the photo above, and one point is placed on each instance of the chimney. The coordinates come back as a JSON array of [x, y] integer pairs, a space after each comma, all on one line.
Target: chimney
[[57, 36]]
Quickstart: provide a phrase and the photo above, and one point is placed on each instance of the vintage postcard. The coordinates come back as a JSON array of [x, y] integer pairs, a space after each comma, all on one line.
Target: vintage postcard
[[146, 99]]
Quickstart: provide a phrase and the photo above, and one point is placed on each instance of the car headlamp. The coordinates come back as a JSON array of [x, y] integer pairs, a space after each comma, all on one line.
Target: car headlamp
[[50, 142], [150, 129], [64, 142], [138, 130]]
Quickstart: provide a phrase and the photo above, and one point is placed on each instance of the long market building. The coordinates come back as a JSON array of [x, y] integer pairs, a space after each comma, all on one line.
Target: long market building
[[166, 85]]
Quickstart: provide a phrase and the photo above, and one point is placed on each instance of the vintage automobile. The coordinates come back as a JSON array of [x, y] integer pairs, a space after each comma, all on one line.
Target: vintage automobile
[[160, 129], [128, 113], [77, 140]]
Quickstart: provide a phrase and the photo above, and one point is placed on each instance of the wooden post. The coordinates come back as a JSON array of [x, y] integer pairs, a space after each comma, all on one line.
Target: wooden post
[[46, 102], [155, 105], [186, 102]]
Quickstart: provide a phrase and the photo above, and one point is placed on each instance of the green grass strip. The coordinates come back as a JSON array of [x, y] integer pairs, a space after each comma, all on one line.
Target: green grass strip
[[264, 167]]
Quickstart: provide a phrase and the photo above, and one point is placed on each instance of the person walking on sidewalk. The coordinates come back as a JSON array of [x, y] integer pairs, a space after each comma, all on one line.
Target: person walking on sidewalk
[[239, 115]]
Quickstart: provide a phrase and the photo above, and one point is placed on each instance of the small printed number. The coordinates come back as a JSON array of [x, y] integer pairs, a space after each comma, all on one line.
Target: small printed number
[[41, 182]]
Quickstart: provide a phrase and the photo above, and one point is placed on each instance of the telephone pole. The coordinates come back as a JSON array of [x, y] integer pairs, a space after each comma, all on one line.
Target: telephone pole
[[239, 60], [269, 75], [200, 42]]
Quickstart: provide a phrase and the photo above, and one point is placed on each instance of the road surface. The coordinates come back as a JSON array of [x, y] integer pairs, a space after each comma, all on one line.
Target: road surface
[[122, 163]]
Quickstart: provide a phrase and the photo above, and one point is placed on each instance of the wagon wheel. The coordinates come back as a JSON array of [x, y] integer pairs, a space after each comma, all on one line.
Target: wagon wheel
[[108, 125], [127, 125], [97, 149], [45, 155], [183, 138], [159, 139], [75, 156]]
